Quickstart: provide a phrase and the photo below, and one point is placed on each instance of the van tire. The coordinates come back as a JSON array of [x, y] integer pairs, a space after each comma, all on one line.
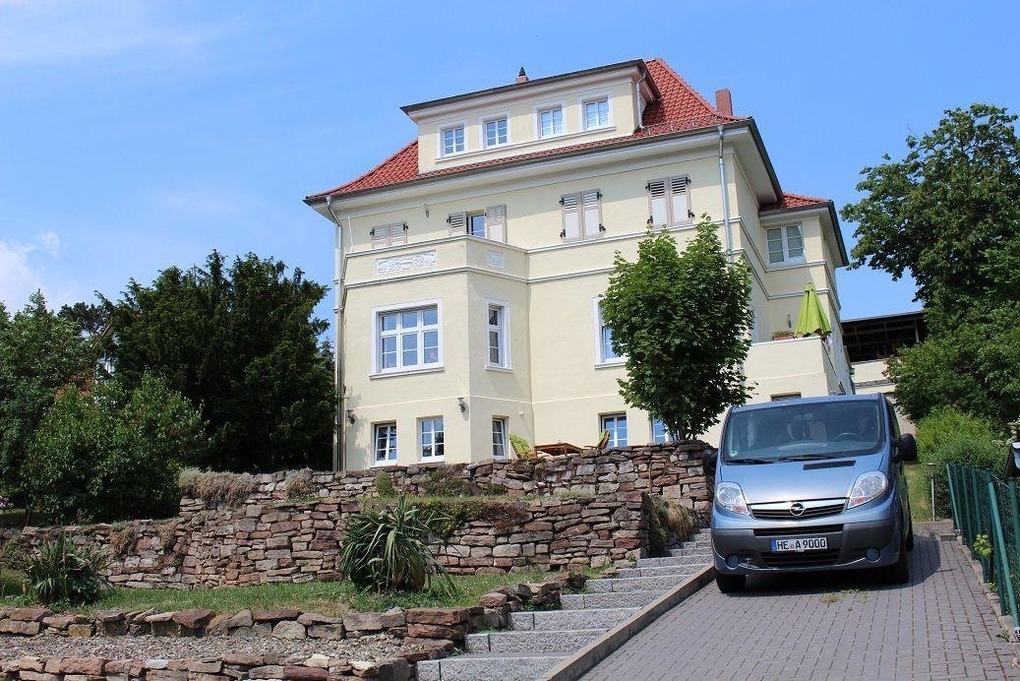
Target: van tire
[[730, 583], [910, 537], [899, 572]]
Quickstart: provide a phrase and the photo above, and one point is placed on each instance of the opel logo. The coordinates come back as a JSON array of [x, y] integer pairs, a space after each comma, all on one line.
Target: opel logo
[[796, 509]]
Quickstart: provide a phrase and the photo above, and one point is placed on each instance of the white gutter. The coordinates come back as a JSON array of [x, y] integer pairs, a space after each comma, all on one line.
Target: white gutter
[[725, 199], [339, 267]]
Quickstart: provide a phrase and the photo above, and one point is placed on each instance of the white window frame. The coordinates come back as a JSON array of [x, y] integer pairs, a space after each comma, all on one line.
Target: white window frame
[[784, 235], [605, 420], [599, 123], [452, 128], [601, 358], [657, 438], [505, 119], [434, 439], [673, 206], [494, 219], [500, 439], [378, 334], [581, 215], [539, 128], [502, 329], [389, 450]]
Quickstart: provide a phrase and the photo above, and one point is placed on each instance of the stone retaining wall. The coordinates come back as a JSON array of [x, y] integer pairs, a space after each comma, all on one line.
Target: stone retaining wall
[[426, 633], [582, 510]]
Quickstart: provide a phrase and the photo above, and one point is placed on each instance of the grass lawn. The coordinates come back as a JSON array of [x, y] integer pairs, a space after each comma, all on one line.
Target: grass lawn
[[920, 491], [325, 598]]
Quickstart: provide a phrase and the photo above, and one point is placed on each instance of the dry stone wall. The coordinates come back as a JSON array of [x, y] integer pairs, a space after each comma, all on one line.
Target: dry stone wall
[[583, 510]]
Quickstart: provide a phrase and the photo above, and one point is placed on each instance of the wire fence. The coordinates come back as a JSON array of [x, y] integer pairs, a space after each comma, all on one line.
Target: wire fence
[[986, 512]]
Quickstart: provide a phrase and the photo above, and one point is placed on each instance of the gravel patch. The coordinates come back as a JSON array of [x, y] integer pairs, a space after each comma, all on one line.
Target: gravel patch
[[369, 648]]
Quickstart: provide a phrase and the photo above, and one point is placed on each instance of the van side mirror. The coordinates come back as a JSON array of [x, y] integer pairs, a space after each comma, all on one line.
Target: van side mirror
[[906, 448], [709, 458]]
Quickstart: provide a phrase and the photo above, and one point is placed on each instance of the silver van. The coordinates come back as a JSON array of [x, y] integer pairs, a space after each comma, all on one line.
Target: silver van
[[811, 484]]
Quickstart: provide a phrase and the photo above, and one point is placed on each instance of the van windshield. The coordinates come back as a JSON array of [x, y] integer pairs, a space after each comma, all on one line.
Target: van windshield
[[802, 431]]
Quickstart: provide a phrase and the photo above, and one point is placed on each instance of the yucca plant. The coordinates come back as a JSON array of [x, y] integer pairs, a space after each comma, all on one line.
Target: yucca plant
[[63, 572], [386, 549]]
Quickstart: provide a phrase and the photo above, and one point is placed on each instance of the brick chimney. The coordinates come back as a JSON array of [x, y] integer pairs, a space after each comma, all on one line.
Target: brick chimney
[[724, 102], [522, 77]]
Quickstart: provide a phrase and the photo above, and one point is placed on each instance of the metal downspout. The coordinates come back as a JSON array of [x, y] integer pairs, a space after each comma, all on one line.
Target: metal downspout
[[339, 264], [725, 199]]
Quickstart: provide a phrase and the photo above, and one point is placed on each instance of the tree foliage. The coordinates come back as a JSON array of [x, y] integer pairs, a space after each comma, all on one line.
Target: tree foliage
[[949, 213], [39, 353], [112, 454], [682, 321], [240, 342]]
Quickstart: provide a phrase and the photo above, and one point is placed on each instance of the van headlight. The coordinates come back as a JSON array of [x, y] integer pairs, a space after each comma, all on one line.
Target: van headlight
[[730, 497], [867, 487]]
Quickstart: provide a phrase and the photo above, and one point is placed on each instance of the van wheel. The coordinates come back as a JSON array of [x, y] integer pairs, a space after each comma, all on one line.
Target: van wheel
[[899, 572], [910, 537], [729, 583]]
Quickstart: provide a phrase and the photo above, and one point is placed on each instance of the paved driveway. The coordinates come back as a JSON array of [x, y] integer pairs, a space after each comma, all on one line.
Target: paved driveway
[[828, 626]]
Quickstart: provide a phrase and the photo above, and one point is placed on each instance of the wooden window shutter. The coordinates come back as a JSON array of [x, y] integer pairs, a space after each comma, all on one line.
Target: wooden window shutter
[[458, 223], [398, 233], [657, 202], [678, 199], [571, 216], [380, 236], [495, 223], [591, 201]]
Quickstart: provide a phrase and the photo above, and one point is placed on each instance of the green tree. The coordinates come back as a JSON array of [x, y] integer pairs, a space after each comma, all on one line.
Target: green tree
[[682, 320], [39, 353], [241, 343], [109, 454], [949, 213]]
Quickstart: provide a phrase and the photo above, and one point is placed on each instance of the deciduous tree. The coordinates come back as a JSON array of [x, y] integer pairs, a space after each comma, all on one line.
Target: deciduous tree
[[682, 320]]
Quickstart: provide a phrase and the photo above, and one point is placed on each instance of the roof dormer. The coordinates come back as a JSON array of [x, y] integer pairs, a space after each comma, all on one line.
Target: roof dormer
[[532, 115]]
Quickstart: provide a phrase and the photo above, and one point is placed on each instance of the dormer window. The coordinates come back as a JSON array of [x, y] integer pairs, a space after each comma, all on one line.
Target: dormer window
[[550, 121], [495, 132], [596, 113], [453, 140]]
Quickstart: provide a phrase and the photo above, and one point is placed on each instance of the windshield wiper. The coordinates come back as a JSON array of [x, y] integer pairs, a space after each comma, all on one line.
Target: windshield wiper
[[752, 460], [812, 457]]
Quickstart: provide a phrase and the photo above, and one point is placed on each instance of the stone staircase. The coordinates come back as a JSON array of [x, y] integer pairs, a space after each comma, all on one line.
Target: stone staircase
[[540, 641]]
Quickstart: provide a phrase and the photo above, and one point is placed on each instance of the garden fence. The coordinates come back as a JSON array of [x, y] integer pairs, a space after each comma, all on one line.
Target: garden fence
[[986, 512]]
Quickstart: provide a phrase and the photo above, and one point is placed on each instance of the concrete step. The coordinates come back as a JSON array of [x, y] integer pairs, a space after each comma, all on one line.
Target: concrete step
[[553, 620], [514, 642], [680, 562], [660, 570], [662, 583], [521, 667], [596, 601], [692, 551]]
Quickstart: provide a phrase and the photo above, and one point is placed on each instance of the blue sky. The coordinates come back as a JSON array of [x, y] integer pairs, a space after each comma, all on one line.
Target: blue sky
[[139, 135]]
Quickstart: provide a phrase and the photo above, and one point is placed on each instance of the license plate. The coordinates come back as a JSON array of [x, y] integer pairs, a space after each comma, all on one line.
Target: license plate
[[800, 544]]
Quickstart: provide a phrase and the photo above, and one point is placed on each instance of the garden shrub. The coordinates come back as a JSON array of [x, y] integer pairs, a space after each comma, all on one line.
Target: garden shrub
[[447, 482], [951, 436], [387, 548], [110, 454], [668, 521], [61, 572], [299, 484], [216, 488], [384, 485]]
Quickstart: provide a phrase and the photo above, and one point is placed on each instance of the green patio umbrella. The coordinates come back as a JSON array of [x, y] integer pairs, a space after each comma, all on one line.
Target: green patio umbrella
[[811, 319]]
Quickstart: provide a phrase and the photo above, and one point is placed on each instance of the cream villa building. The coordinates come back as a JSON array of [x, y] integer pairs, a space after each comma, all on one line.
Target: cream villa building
[[470, 263]]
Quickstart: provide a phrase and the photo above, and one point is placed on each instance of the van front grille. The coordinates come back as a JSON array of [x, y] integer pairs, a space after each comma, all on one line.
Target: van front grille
[[788, 510], [793, 531], [807, 559]]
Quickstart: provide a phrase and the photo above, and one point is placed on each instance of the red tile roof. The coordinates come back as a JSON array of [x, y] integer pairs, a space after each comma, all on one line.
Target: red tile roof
[[679, 109], [794, 201]]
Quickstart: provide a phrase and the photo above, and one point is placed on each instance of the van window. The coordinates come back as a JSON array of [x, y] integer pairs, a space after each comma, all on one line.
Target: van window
[[788, 429]]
